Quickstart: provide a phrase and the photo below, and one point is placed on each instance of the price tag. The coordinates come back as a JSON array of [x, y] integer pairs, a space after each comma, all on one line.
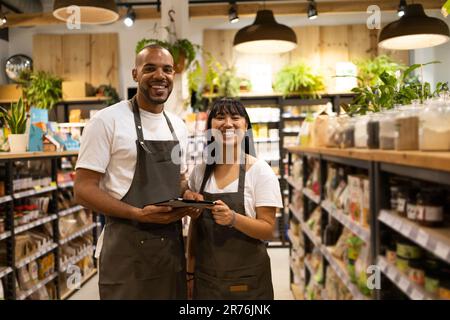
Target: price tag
[[406, 229], [416, 295], [422, 238], [442, 250], [397, 224], [404, 284]]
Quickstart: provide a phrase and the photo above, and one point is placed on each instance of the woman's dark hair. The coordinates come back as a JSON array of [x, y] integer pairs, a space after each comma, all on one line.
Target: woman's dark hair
[[231, 107]]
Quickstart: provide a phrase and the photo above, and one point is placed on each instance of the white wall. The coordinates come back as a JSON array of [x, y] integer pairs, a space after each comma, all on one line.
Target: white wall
[[20, 39]]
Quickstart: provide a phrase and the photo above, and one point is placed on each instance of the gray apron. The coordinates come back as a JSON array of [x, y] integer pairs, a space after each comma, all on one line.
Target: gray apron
[[228, 263], [146, 261]]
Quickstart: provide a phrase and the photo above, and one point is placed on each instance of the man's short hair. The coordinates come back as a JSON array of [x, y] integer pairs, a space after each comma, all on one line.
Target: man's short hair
[[154, 46]]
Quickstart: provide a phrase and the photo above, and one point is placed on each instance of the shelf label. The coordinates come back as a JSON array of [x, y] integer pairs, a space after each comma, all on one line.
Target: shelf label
[[404, 284], [392, 273], [406, 229], [442, 250], [397, 224], [416, 295], [422, 238]]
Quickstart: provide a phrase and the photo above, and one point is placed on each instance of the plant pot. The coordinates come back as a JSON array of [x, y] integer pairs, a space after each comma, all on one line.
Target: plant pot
[[18, 142], [180, 64]]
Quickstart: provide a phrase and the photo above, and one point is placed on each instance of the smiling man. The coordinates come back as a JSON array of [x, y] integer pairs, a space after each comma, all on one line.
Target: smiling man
[[123, 167]]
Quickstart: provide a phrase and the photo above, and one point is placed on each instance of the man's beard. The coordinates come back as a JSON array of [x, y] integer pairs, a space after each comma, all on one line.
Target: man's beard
[[145, 92]]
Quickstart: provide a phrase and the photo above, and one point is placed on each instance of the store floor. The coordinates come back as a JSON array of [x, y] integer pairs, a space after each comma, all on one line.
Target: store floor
[[280, 277]]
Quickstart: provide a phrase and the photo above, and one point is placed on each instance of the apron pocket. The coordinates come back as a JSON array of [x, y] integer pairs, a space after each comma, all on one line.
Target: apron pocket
[[215, 288], [156, 257]]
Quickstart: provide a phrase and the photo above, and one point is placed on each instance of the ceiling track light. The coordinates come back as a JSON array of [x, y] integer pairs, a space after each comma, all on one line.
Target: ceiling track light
[[233, 13], [312, 10], [130, 17], [401, 8]]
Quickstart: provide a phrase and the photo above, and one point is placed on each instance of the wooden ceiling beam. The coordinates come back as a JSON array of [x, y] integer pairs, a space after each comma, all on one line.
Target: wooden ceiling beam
[[244, 10]]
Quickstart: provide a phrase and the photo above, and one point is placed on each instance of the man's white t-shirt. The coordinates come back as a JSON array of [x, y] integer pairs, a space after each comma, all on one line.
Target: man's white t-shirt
[[108, 144], [262, 188]]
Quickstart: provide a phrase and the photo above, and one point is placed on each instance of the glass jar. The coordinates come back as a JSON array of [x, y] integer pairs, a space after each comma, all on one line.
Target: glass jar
[[407, 127], [361, 133], [348, 132], [373, 131], [402, 200], [387, 129], [434, 126], [332, 140], [430, 207]]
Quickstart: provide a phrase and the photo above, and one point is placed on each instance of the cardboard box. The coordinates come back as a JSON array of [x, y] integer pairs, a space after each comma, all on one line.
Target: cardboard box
[[76, 90], [10, 92]]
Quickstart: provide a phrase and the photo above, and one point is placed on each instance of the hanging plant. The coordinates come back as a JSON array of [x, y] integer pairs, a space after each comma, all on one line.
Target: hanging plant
[[370, 70]]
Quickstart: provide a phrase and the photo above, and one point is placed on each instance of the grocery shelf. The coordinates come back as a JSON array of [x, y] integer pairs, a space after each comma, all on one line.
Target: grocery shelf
[[296, 185], [435, 240], [296, 213], [311, 195], [86, 278], [71, 210], [294, 240], [78, 233], [315, 240], [5, 199], [312, 273], [68, 184], [24, 294], [339, 268], [40, 154], [73, 260], [33, 192], [345, 220], [411, 289], [5, 271], [5, 235], [439, 161], [296, 271], [34, 224], [44, 250]]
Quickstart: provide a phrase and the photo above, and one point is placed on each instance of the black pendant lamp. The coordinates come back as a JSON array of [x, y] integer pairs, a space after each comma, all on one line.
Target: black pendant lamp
[[414, 30], [265, 35], [91, 11]]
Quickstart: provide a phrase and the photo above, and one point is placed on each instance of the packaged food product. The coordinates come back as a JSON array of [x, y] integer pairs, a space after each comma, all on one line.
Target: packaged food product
[[408, 250], [365, 218], [417, 272], [444, 289], [356, 196], [430, 208], [402, 264]]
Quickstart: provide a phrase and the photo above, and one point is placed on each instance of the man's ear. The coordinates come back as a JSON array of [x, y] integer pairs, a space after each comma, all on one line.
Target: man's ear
[[134, 73]]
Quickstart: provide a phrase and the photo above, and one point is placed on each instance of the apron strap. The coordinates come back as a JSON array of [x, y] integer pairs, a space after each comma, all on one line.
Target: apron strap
[[138, 125]]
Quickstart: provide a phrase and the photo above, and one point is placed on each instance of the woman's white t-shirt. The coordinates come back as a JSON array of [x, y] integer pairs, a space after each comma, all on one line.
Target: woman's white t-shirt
[[262, 188]]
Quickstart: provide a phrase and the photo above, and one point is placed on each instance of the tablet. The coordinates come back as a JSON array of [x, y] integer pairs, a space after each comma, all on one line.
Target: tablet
[[180, 203]]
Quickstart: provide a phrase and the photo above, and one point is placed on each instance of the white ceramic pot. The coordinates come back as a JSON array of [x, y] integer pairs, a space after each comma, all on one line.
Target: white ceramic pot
[[18, 142]]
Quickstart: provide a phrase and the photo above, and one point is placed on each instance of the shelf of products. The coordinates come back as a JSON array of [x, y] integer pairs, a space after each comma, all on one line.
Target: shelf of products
[[5, 271], [297, 292], [296, 213], [69, 211], [42, 251], [311, 195], [41, 284], [34, 224], [78, 233], [411, 289], [345, 220], [339, 269], [409, 241], [434, 240], [33, 192], [297, 185], [40, 239]]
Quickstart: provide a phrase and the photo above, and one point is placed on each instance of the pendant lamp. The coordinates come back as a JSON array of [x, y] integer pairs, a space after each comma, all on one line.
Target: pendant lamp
[[414, 30], [265, 35], [91, 11]]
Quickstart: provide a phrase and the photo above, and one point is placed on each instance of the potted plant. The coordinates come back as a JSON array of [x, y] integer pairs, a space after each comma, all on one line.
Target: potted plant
[[41, 89], [16, 120], [109, 92], [370, 70], [182, 50], [298, 78]]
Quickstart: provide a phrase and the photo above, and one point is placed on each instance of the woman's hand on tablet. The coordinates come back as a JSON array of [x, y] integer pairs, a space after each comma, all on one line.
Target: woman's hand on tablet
[[222, 214]]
